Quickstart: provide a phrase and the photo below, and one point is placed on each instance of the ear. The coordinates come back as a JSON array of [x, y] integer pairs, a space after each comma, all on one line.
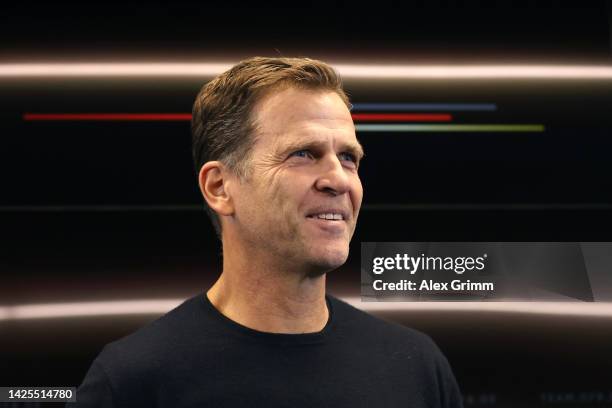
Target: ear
[[213, 181]]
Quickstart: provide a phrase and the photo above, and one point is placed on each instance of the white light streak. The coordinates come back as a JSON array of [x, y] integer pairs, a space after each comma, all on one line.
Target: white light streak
[[113, 69], [161, 306], [581, 309], [84, 309], [349, 71], [477, 71]]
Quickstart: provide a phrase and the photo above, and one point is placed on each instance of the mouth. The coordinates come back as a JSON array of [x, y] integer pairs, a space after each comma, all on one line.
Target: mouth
[[330, 215], [329, 220], [327, 217]]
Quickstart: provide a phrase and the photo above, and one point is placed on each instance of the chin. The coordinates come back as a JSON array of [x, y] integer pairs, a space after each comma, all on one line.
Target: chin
[[329, 258]]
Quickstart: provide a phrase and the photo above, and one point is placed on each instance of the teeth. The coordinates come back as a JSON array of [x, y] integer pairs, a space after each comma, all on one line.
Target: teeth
[[329, 216]]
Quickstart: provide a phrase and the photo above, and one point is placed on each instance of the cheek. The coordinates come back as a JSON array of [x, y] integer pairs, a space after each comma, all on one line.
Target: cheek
[[291, 196], [357, 193], [280, 196], [283, 194]]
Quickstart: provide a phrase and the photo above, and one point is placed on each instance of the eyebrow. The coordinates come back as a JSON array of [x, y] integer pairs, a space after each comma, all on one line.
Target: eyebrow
[[354, 148]]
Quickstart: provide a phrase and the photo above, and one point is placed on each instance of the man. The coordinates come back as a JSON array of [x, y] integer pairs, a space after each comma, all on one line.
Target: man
[[278, 164]]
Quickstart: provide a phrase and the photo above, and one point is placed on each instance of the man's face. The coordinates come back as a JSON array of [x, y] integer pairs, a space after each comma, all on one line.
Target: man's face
[[300, 203]]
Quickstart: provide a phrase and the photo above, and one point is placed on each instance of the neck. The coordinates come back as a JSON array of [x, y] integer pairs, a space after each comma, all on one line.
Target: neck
[[260, 294]]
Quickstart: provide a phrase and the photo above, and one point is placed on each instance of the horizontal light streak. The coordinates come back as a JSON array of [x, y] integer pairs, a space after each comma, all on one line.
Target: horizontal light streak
[[357, 71], [84, 309], [431, 107], [449, 128], [402, 117], [85, 69], [476, 71], [160, 306], [107, 116], [579, 309], [361, 117]]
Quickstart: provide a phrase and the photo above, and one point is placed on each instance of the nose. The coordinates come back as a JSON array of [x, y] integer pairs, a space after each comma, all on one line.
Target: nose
[[333, 178]]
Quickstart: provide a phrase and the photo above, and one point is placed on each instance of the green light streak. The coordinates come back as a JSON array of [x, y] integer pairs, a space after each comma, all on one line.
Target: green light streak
[[448, 128]]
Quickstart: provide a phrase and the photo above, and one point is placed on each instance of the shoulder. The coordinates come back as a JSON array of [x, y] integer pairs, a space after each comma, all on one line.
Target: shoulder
[[135, 361], [159, 334], [389, 338], [408, 350], [369, 326]]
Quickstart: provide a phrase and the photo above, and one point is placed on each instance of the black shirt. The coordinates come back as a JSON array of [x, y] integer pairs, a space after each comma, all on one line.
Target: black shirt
[[194, 356]]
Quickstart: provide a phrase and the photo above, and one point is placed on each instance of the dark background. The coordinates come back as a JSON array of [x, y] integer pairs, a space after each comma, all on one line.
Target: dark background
[[102, 211]]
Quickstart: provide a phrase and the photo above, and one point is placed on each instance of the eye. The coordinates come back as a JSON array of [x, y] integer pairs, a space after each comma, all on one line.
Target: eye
[[345, 156], [348, 156], [301, 153]]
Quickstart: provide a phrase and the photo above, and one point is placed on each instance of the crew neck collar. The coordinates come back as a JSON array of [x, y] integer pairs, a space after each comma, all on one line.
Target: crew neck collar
[[278, 338]]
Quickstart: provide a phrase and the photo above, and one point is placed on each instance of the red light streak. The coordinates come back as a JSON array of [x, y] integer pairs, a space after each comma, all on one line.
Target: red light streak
[[107, 116], [402, 117]]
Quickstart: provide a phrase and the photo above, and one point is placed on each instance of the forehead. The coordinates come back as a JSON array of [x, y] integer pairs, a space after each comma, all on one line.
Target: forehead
[[298, 114]]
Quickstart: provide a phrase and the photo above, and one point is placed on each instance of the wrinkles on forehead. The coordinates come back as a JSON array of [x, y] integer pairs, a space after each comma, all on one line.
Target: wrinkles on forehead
[[300, 119]]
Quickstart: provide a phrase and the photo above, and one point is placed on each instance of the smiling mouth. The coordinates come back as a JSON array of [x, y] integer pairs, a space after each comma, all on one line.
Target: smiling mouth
[[327, 217]]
